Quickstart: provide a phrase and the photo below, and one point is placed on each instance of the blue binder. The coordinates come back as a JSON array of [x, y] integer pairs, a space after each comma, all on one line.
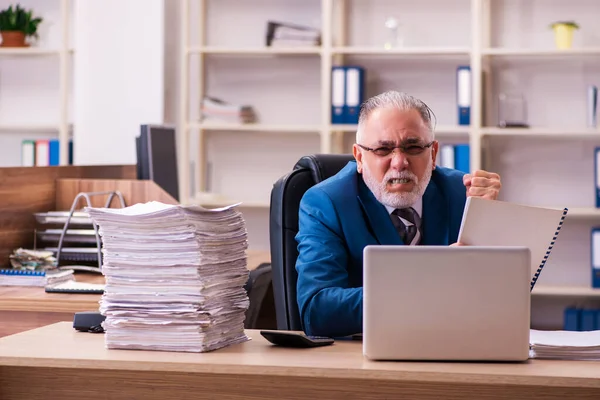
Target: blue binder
[[355, 82], [588, 320], [338, 94], [595, 257], [463, 94], [597, 175], [571, 319], [462, 158], [54, 149]]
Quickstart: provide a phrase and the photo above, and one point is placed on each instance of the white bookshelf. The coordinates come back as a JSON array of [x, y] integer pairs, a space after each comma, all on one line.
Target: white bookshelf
[[36, 83], [508, 45]]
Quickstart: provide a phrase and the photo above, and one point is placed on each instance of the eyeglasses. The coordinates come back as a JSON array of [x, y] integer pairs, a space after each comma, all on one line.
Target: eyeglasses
[[412, 149]]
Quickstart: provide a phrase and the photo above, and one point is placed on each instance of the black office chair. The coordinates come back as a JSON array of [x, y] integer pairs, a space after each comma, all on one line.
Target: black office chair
[[283, 226], [256, 288]]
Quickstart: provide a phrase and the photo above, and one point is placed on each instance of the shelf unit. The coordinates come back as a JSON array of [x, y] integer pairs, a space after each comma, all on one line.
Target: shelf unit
[[62, 53], [487, 56], [333, 51]]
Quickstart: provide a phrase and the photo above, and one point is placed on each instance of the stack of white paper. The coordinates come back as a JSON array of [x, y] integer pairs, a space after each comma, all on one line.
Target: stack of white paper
[[565, 345], [174, 276]]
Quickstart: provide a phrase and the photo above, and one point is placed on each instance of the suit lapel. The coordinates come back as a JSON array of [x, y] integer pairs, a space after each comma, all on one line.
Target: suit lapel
[[435, 216], [376, 216]]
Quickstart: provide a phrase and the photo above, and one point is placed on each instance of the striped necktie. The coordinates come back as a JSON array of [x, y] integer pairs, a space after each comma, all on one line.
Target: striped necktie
[[409, 232]]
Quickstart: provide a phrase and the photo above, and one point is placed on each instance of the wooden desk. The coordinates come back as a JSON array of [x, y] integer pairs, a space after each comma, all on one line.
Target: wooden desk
[[57, 362], [23, 308]]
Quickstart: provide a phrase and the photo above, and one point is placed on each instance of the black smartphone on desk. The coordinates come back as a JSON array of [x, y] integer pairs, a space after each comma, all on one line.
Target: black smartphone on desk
[[295, 339]]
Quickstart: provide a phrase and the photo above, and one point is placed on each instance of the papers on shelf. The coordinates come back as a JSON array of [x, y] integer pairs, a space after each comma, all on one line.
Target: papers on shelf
[[565, 345], [175, 276], [217, 110]]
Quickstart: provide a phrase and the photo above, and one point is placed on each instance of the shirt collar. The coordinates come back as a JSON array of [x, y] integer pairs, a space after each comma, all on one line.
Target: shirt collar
[[418, 206]]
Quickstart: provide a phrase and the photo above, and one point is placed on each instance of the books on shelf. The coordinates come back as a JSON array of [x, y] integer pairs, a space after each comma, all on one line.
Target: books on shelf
[[43, 152], [217, 110]]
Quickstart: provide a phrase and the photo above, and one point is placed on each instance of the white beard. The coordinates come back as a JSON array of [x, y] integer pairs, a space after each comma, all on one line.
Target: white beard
[[398, 199]]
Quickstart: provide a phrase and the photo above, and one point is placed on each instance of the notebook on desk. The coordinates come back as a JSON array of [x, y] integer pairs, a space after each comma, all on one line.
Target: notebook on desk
[[76, 287], [499, 223]]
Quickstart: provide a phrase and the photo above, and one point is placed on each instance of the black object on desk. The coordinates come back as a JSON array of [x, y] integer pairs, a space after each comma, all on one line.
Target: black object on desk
[[88, 321], [295, 339]]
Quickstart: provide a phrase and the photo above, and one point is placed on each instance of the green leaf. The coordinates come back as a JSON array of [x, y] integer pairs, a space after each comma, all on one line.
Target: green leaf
[[17, 18]]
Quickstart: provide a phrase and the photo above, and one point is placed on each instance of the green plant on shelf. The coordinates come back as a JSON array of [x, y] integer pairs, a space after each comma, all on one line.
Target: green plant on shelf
[[17, 24]]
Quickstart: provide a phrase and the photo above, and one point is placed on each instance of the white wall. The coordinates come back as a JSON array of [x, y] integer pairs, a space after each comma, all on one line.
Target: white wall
[[119, 77]]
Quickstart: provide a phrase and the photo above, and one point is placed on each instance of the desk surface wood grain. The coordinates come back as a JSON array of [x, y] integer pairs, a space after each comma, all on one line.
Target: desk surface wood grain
[[67, 364], [258, 357], [35, 299]]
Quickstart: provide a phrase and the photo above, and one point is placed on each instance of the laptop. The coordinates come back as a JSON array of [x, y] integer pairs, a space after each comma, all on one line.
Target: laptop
[[442, 303]]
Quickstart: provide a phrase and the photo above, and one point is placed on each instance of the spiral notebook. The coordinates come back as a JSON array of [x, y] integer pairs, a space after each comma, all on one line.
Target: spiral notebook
[[17, 277], [499, 223]]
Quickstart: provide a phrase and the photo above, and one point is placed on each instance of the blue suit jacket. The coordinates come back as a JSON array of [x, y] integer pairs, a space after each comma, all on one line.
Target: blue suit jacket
[[338, 218]]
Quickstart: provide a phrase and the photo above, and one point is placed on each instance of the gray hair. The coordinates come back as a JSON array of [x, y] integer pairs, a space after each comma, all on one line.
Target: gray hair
[[393, 99]]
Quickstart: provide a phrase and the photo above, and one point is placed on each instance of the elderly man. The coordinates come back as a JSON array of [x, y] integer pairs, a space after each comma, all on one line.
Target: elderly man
[[392, 194]]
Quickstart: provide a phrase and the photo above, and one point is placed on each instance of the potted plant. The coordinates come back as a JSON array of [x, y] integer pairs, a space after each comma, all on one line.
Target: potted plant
[[563, 33], [16, 25]]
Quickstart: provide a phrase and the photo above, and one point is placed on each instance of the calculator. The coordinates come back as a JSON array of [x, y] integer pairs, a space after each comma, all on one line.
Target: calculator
[[295, 339]]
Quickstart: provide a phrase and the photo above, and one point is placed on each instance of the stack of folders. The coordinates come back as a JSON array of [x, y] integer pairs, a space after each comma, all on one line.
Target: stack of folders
[[175, 277], [281, 34], [565, 345]]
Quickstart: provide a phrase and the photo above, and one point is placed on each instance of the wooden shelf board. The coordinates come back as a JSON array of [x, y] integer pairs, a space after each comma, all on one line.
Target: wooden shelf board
[[28, 128], [408, 51], [566, 291], [566, 133], [215, 200], [439, 130], [255, 127], [255, 50], [500, 51], [27, 51], [583, 212]]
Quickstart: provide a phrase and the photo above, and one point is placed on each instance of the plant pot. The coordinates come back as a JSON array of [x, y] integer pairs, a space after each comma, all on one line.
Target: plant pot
[[563, 36], [13, 39]]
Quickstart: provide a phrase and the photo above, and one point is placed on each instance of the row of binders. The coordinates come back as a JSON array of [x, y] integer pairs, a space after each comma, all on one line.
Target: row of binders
[[455, 156], [581, 319], [43, 152], [348, 93]]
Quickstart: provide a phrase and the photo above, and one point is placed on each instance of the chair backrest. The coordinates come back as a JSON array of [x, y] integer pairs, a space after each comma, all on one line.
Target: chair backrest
[[283, 226], [256, 287]]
